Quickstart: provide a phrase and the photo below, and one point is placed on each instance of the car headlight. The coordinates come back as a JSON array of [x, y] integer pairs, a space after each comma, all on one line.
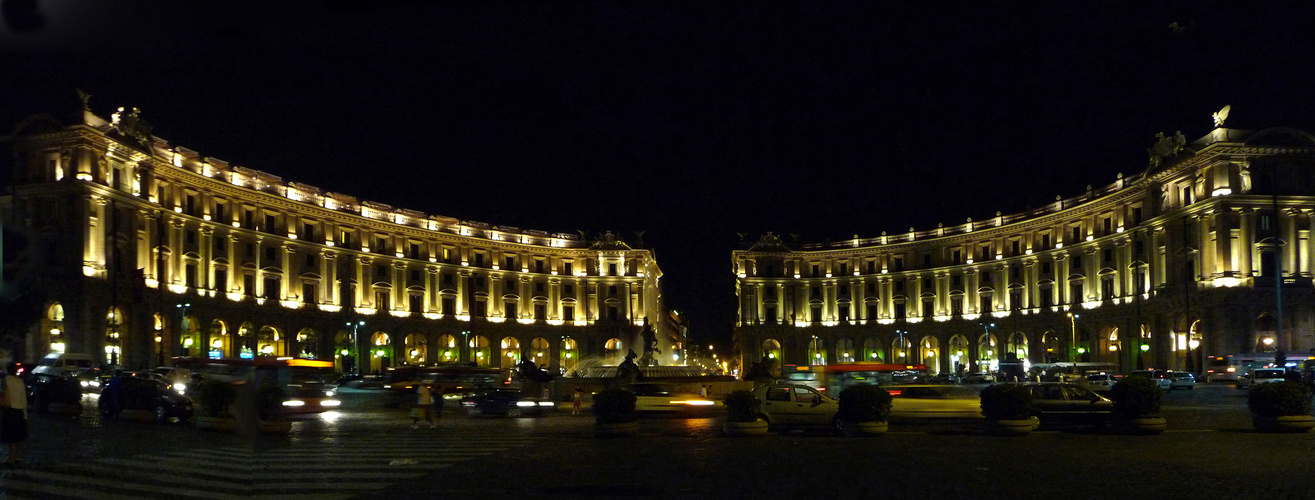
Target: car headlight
[[330, 402], [329, 393], [695, 402], [547, 403], [294, 402], [525, 403], [86, 383], [180, 387]]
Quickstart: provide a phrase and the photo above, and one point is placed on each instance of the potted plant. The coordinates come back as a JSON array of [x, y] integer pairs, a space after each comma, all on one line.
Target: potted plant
[[1009, 409], [744, 415], [64, 396], [863, 409], [269, 406], [1137, 401], [614, 412], [1281, 407], [214, 397]]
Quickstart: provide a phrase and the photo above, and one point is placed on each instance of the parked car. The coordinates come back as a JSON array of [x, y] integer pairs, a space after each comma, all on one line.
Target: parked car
[[1160, 377], [979, 378], [509, 402], [1063, 403], [144, 391], [650, 397], [934, 401], [1260, 376], [1182, 380], [946, 378], [789, 405], [1102, 382]]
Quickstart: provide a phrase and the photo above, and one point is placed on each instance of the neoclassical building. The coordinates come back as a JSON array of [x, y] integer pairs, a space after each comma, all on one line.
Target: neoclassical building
[[1158, 269], [151, 250]]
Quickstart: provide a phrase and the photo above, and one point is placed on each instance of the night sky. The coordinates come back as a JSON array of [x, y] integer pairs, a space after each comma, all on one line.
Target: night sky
[[692, 121]]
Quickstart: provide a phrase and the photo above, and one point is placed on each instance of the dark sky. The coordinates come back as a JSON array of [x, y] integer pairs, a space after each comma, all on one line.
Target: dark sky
[[692, 121]]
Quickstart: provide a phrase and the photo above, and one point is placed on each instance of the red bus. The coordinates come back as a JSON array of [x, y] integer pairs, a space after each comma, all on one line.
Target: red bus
[[457, 378], [834, 378]]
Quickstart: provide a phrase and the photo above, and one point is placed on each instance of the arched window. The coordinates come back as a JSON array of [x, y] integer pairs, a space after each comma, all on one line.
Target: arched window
[[1017, 344], [872, 351], [612, 350], [54, 328], [845, 351], [270, 342], [772, 350], [219, 341], [307, 343], [381, 352], [570, 353], [417, 349], [479, 348], [929, 350], [511, 352], [986, 353], [447, 345], [114, 331], [817, 351], [900, 348], [539, 351]]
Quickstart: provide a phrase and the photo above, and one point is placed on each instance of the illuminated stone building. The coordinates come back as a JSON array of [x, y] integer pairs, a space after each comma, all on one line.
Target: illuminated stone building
[[1158, 269], [154, 250]]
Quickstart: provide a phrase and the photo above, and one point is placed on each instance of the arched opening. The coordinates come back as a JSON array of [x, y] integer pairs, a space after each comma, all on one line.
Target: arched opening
[[53, 329], [900, 348], [270, 342], [612, 351], [381, 352], [570, 353], [1017, 344], [219, 341], [845, 351], [189, 341], [1109, 346], [417, 349], [1187, 344], [246, 341], [1266, 338], [771, 349], [539, 351], [1053, 347], [307, 343], [959, 353], [160, 339], [510, 352], [343, 360], [447, 345], [114, 329], [987, 360], [479, 348], [872, 351], [1143, 353], [929, 351], [816, 351]]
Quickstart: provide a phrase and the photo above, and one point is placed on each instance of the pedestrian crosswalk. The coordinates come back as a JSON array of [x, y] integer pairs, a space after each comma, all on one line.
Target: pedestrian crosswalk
[[341, 468]]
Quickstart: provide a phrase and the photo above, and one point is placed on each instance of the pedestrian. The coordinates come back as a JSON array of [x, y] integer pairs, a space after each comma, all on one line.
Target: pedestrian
[[436, 411], [423, 408], [13, 414], [703, 391], [577, 399]]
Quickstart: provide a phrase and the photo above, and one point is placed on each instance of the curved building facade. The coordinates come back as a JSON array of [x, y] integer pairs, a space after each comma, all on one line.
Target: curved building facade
[[1159, 269], [149, 250]]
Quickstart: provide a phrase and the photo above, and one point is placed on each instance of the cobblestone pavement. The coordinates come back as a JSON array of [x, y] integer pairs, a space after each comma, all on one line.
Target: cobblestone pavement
[[368, 451]]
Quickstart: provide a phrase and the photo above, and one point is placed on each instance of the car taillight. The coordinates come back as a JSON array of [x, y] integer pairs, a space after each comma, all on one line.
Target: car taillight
[[1231, 369], [895, 392]]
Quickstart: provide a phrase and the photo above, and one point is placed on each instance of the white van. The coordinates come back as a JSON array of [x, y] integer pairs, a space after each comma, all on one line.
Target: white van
[[1260, 376], [64, 364]]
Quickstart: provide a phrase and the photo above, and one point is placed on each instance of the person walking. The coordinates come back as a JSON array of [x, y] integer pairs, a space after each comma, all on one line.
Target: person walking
[[13, 414], [577, 399], [424, 407]]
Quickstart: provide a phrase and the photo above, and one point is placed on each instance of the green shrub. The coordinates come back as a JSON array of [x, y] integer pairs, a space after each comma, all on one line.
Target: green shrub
[[1136, 396], [742, 406], [613, 406], [1279, 399], [1007, 402], [269, 400], [214, 397], [864, 403]]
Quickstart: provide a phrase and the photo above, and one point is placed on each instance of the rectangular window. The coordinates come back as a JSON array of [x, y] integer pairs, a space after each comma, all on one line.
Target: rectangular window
[[415, 251], [926, 285], [447, 279], [415, 275], [449, 305], [899, 310], [872, 267], [540, 312], [271, 223], [1016, 299], [1136, 216], [986, 278], [567, 269], [479, 259], [510, 263], [568, 313], [221, 280], [611, 290], [249, 284], [770, 312], [344, 237], [1107, 224], [381, 245], [510, 286], [568, 290], [190, 207], [538, 288], [956, 305], [956, 282], [219, 212], [1077, 234], [954, 257], [899, 286], [843, 312], [1045, 241], [381, 272], [1016, 247], [872, 312], [191, 237], [1108, 254], [307, 230], [1075, 264], [1075, 295], [815, 271], [611, 270], [1107, 288], [308, 293], [1045, 268], [926, 260], [927, 308], [310, 260], [815, 314], [538, 266], [272, 288], [899, 264], [1047, 297], [271, 254], [478, 309], [221, 244], [613, 313], [191, 275], [415, 303], [383, 301], [985, 306]]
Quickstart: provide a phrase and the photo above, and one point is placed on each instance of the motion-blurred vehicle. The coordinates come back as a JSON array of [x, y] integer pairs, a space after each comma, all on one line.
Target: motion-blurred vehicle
[[979, 378], [1102, 382], [945, 378], [144, 391], [509, 402], [1260, 376], [911, 402], [650, 397], [1062, 403], [1160, 377], [57, 365], [788, 405], [1182, 380]]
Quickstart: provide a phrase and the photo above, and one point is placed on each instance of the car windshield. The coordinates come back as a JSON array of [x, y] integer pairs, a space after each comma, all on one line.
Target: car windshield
[[1269, 373]]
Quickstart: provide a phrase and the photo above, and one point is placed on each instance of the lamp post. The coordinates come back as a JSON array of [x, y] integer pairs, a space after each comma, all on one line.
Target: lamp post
[[1073, 340], [902, 352], [813, 349], [986, 331], [356, 348]]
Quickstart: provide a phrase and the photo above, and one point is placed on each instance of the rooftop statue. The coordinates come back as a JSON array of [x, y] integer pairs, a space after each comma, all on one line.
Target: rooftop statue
[[1221, 116], [1165, 148]]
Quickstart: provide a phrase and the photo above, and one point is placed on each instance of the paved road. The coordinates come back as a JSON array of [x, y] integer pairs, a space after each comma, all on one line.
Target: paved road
[[366, 451]]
